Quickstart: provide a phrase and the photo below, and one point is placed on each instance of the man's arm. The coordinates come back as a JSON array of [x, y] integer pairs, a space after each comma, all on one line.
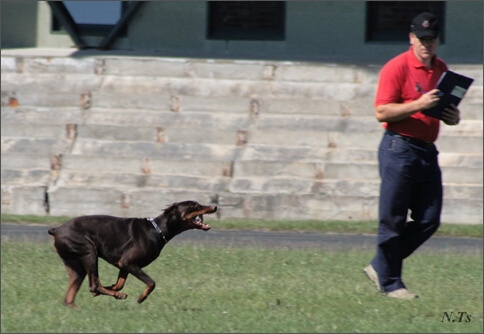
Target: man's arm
[[394, 112]]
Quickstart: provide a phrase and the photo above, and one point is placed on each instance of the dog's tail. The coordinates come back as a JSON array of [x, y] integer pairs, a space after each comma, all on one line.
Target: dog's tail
[[52, 231]]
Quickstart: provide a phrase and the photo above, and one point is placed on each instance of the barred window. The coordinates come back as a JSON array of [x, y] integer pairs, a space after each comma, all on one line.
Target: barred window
[[246, 20], [389, 21]]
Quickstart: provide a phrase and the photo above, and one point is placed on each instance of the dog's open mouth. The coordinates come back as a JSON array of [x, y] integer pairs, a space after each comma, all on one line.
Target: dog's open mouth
[[196, 217], [198, 222]]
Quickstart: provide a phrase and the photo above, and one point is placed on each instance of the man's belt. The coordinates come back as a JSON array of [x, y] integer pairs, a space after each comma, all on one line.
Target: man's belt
[[411, 140]]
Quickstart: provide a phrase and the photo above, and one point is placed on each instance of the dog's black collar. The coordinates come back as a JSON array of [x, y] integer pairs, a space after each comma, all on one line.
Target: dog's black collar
[[152, 220]]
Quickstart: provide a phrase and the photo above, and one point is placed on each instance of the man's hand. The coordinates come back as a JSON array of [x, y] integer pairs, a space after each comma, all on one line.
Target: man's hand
[[451, 116], [430, 99]]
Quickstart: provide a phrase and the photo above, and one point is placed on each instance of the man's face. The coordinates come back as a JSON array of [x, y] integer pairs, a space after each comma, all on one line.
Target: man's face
[[425, 48]]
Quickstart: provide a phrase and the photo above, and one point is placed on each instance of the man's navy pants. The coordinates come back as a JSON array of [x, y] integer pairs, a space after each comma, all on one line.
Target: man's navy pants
[[411, 181]]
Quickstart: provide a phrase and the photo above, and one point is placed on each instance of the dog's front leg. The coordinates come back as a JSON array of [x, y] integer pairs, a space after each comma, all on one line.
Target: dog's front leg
[[141, 275], [123, 274], [150, 286]]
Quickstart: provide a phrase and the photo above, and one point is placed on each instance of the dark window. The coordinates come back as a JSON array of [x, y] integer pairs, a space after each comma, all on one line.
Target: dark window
[[246, 20], [93, 18], [389, 21]]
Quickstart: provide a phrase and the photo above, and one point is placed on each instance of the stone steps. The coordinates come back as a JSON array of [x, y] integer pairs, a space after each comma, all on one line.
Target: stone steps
[[101, 141], [170, 134], [27, 146], [25, 161], [69, 201], [30, 177], [94, 164], [41, 115], [40, 122], [124, 181], [470, 179], [141, 150], [141, 75], [262, 139], [333, 171]]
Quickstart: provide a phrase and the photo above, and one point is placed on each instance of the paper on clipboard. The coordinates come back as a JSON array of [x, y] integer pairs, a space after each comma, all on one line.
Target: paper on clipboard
[[453, 87]]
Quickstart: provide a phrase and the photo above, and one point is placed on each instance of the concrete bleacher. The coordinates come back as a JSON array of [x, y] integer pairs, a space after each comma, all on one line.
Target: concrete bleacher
[[261, 139]]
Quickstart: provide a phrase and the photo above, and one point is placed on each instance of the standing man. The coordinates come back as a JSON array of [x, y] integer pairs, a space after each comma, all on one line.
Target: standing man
[[410, 174]]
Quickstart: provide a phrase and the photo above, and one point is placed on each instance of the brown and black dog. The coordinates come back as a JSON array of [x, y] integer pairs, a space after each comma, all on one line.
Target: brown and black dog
[[127, 243]]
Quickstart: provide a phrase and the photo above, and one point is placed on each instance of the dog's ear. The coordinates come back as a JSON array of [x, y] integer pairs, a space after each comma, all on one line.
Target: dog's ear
[[169, 208]]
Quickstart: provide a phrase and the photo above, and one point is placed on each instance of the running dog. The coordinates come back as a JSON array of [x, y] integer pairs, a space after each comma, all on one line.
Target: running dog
[[129, 244]]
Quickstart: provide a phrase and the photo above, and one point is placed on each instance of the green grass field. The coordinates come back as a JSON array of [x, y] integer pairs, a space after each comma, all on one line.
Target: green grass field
[[216, 289]]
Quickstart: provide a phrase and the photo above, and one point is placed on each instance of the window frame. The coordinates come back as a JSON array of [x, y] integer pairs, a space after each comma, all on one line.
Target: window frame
[[86, 29]]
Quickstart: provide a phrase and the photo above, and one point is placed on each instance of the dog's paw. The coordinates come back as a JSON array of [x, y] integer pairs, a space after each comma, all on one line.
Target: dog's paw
[[71, 305], [120, 295]]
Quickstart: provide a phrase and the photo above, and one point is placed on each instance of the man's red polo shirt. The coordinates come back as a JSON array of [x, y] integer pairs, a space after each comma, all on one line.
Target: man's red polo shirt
[[404, 79]]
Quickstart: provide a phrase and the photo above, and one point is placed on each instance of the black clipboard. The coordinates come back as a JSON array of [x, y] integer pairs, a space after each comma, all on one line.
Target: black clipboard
[[453, 87]]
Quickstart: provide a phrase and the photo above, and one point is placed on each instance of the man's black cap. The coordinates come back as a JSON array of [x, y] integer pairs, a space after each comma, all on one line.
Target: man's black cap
[[425, 25]]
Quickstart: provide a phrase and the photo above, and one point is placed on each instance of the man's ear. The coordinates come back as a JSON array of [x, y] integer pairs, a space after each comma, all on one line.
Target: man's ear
[[411, 37]]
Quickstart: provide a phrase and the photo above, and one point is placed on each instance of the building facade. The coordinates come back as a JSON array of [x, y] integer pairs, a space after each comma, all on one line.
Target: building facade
[[329, 31]]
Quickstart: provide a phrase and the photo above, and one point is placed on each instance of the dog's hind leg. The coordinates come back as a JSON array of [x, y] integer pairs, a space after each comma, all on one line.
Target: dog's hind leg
[[76, 273], [95, 286]]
